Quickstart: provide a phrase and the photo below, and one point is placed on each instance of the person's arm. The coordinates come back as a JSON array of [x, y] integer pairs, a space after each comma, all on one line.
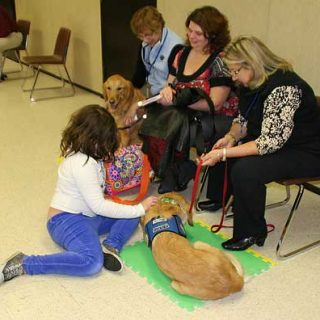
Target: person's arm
[[276, 129], [220, 86], [140, 73], [87, 181], [167, 92], [218, 96], [278, 118]]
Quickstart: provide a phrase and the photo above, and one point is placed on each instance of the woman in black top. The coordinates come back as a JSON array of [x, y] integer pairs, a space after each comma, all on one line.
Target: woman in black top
[[278, 131]]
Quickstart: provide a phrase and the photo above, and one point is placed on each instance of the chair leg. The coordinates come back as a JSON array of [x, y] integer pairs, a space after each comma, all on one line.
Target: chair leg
[[20, 74], [280, 203], [287, 226], [33, 89], [202, 184]]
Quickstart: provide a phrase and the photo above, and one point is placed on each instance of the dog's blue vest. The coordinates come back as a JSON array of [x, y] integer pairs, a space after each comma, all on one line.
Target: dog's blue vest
[[159, 224]]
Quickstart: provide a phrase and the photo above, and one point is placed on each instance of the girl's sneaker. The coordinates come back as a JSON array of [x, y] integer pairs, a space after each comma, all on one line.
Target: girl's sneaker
[[112, 260], [12, 268]]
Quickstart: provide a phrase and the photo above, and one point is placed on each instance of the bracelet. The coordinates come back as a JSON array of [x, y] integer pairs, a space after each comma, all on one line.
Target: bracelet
[[224, 155], [232, 136]]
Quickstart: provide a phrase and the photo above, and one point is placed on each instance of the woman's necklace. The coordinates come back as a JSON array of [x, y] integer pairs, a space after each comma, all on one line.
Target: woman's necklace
[[151, 64], [244, 119]]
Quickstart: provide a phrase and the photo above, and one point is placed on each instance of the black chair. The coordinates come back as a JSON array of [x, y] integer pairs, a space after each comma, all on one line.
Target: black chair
[[58, 58]]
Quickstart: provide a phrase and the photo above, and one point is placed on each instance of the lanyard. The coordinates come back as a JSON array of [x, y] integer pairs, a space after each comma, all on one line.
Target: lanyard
[[243, 119], [157, 55]]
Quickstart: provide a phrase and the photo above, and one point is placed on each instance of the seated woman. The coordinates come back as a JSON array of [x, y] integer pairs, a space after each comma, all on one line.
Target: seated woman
[[9, 36], [279, 130], [196, 65]]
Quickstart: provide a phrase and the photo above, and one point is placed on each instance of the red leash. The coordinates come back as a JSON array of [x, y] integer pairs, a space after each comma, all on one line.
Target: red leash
[[195, 186], [216, 227]]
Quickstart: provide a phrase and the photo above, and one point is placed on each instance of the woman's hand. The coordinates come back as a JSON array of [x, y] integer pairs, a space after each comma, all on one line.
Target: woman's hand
[[130, 115], [166, 96], [149, 202], [224, 142], [212, 157]]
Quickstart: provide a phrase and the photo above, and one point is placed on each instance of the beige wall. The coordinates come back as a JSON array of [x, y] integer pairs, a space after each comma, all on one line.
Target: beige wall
[[84, 60], [289, 27]]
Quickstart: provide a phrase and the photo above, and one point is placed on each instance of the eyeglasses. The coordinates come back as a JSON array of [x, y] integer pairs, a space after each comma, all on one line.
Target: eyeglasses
[[146, 35], [235, 72]]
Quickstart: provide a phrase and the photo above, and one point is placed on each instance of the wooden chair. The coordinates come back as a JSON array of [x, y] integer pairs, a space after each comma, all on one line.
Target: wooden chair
[[58, 58], [24, 28]]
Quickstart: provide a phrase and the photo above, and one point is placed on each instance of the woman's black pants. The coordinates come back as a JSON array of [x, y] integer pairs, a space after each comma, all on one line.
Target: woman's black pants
[[248, 177]]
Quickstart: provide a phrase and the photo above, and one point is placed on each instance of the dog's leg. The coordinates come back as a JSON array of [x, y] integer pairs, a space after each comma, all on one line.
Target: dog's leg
[[124, 138], [181, 288], [193, 291]]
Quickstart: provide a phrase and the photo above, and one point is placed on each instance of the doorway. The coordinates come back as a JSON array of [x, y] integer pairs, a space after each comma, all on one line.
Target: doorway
[[119, 45]]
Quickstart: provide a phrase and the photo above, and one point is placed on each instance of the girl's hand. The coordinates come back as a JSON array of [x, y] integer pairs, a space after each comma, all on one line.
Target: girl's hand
[[149, 202], [211, 158], [166, 96]]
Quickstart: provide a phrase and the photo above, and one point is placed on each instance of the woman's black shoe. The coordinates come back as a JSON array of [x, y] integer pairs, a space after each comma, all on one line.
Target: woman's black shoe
[[243, 244], [169, 182], [186, 171], [209, 205]]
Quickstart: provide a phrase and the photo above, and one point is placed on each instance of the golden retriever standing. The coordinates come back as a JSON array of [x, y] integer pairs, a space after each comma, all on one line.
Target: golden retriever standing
[[198, 269], [119, 95]]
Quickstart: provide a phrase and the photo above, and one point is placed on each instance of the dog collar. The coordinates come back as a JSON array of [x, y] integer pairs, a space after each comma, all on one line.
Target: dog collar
[[157, 225], [169, 200]]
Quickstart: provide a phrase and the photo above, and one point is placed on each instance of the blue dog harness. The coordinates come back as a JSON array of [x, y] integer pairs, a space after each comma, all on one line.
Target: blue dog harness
[[159, 224]]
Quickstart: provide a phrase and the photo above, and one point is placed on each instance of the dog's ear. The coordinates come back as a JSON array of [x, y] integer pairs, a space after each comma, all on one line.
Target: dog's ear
[[104, 91], [129, 90]]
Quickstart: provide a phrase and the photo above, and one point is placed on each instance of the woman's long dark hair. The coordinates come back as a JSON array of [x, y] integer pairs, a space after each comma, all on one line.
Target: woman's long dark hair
[[214, 25], [92, 131]]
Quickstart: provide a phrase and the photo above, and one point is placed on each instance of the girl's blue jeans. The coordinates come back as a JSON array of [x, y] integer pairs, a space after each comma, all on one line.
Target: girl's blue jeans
[[80, 235]]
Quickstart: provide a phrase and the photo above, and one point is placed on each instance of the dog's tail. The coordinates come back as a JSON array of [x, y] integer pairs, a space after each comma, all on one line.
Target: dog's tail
[[235, 262]]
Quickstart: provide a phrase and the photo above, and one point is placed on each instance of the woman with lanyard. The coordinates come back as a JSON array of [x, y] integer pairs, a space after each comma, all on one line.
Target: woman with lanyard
[[279, 131], [157, 42]]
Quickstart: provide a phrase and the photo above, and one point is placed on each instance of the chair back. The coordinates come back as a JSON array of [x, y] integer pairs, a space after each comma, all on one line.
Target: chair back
[[24, 28], [62, 43]]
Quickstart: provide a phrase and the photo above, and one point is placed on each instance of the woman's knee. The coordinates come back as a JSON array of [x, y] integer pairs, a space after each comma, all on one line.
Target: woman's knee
[[245, 170]]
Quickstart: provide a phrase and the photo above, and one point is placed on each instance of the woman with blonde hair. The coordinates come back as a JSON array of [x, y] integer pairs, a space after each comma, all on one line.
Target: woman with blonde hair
[[276, 136]]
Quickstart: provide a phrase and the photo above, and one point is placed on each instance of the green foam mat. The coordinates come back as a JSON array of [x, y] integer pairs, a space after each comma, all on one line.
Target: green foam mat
[[139, 258]]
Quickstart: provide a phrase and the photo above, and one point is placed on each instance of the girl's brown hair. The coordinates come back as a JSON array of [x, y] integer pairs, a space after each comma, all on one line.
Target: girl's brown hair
[[92, 131], [214, 25]]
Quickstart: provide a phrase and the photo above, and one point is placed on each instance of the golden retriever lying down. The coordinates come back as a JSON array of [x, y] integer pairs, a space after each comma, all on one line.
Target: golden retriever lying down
[[119, 95], [198, 269]]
